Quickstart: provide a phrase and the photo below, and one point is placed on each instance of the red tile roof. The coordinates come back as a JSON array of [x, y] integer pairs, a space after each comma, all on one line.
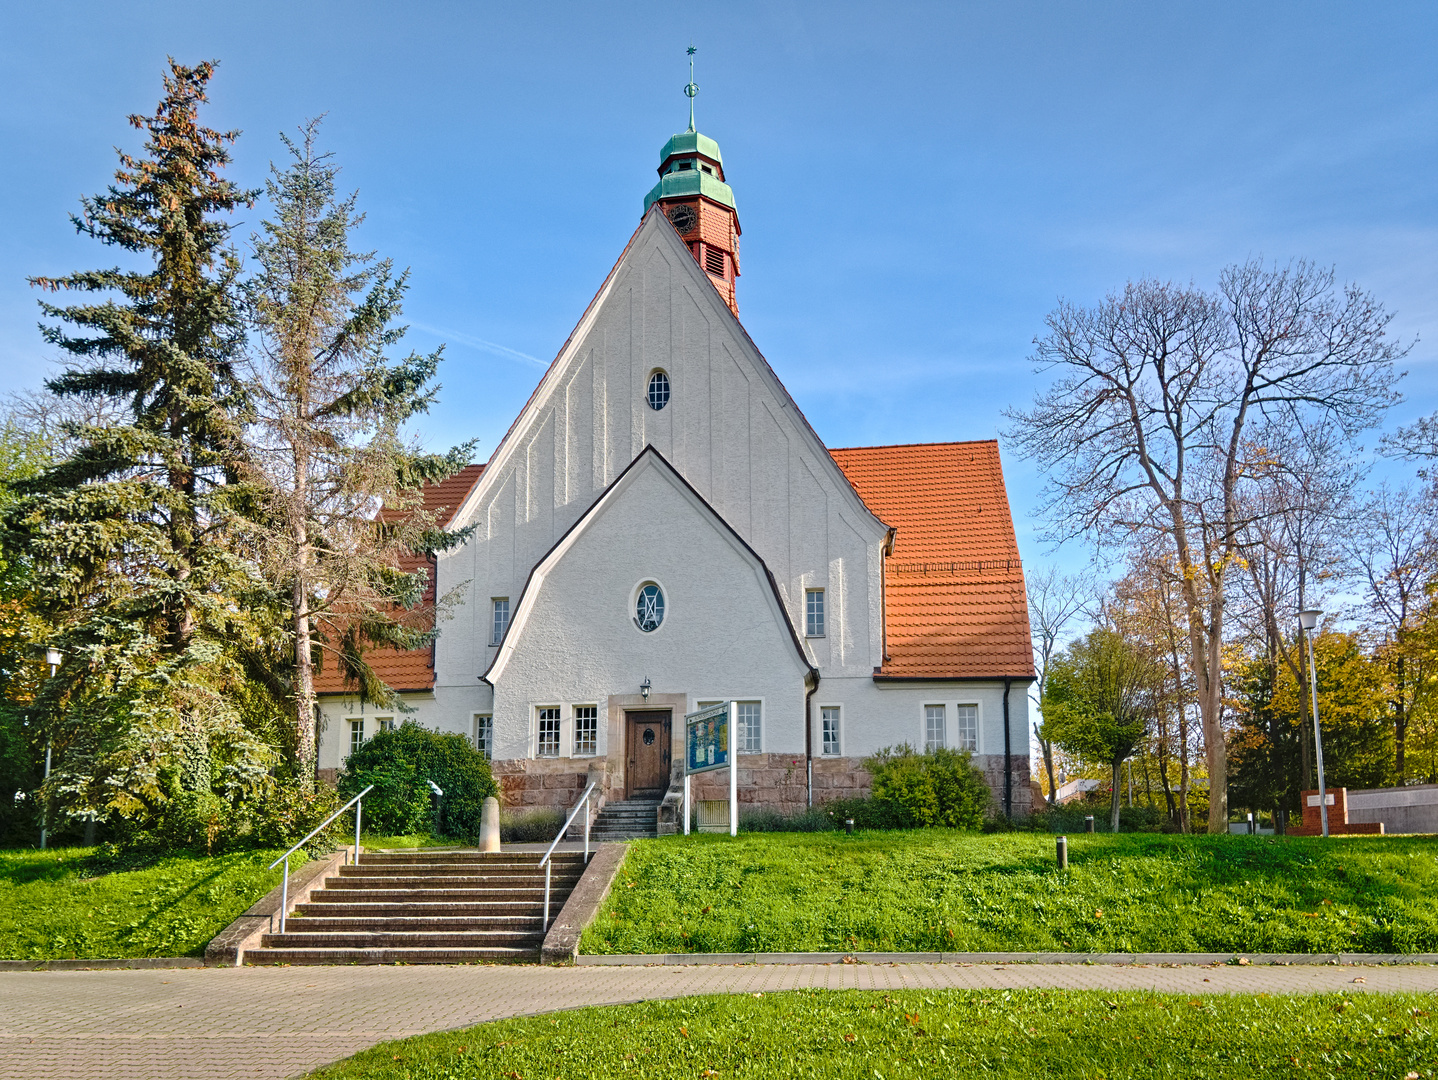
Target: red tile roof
[[411, 669], [954, 600]]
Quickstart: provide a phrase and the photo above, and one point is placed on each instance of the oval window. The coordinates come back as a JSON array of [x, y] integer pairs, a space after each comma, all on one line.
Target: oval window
[[649, 736], [649, 608], [658, 390]]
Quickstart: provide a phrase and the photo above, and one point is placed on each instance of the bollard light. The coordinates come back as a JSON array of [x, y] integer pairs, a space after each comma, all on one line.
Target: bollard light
[[849, 826], [1061, 846], [1088, 824]]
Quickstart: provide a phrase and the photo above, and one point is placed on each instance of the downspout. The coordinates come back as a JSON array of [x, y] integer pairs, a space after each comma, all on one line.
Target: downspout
[[1008, 756], [809, 742]]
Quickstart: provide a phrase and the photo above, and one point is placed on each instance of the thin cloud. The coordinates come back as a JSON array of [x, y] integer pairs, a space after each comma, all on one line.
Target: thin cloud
[[481, 344]]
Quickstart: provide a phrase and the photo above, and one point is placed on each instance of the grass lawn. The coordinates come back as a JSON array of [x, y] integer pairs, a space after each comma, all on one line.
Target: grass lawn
[[936, 890], [66, 903], [375, 841], [863, 1034]]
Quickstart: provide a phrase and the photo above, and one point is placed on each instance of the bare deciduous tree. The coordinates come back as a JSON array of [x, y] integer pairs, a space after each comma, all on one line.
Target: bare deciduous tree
[[1393, 554], [1055, 600], [1144, 432]]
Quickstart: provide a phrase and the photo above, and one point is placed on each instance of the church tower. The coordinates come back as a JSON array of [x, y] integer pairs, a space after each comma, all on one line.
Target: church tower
[[693, 195]]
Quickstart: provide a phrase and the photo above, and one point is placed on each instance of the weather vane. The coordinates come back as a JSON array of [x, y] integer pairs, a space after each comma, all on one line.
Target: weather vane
[[691, 88]]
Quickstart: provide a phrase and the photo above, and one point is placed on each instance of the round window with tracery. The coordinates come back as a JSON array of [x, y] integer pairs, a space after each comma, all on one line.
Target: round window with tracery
[[658, 390], [649, 608]]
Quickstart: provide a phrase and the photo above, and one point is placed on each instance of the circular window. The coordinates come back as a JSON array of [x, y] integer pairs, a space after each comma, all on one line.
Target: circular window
[[649, 608], [658, 390], [649, 736]]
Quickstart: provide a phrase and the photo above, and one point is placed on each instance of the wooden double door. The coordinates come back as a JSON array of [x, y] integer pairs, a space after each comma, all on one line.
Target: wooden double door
[[647, 737]]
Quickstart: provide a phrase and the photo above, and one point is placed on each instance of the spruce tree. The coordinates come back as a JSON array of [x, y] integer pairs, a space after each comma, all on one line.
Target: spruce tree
[[343, 515], [129, 537]]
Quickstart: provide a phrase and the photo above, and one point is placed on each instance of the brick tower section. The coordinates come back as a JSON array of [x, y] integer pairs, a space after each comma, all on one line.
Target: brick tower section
[[712, 236]]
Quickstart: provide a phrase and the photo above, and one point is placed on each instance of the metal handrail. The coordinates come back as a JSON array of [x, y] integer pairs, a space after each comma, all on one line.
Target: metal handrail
[[285, 858], [583, 803]]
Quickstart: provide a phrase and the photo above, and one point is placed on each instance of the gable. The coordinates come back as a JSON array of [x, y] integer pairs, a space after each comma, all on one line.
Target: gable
[[731, 428], [650, 524], [955, 605]]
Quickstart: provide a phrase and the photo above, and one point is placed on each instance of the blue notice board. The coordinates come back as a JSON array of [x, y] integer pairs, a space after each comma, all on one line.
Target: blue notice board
[[706, 741]]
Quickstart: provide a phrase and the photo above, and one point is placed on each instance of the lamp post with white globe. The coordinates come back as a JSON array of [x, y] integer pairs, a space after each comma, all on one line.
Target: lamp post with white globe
[[1308, 620]]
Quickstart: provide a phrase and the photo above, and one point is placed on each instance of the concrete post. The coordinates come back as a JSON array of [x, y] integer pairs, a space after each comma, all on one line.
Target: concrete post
[[489, 825]]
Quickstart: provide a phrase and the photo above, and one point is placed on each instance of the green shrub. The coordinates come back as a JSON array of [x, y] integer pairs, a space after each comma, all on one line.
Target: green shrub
[[936, 788], [534, 826], [401, 762], [200, 821]]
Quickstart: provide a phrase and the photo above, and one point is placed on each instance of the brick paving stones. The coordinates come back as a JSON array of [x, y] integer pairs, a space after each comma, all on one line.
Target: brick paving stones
[[207, 1023]]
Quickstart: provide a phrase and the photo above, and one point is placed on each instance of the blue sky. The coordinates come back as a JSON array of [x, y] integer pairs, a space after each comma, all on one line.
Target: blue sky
[[918, 184]]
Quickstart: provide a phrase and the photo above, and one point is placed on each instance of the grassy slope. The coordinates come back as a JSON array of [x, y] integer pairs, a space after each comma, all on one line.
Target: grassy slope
[[62, 904], [937, 890], [1016, 1035]]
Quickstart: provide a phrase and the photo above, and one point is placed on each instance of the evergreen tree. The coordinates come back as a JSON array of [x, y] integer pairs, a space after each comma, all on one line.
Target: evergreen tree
[[327, 445], [128, 538]]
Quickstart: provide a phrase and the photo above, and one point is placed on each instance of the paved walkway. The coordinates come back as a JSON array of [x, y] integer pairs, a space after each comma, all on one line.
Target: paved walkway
[[278, 1022]]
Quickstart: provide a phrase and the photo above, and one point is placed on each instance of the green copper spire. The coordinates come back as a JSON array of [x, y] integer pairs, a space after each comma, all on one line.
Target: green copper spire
[[690, 163], [691, 88]]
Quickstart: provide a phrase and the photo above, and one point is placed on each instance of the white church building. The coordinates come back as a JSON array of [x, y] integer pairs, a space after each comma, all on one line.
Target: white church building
[[661, 529]]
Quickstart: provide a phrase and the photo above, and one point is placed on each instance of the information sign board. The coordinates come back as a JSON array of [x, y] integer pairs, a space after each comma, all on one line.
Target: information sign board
[[707, 739]]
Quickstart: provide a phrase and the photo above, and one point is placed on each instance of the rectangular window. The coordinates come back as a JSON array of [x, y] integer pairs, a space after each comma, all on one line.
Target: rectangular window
[[549, 732], [484, 735], [356, 735], [749, 734], [386, 723], [586, 729], [500, 622], [934, 727], [968, 724], [814, 613], [830, 722]]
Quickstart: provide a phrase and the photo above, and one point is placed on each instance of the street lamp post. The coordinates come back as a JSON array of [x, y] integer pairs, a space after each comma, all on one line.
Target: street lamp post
[[1308, 620], [53, 657]]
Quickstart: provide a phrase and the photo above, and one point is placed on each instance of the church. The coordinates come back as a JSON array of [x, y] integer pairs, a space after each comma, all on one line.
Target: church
[[661, 529]]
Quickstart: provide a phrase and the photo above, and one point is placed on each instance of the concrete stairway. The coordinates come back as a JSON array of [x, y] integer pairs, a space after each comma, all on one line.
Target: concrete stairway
[[426, 907], [626, 820]]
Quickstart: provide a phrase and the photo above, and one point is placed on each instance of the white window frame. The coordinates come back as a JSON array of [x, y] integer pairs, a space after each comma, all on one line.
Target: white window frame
[[814, 621], [593, 749], [356, 729], [741, 731], [943, 717], [496, 632], [959, 725], [483, 724], [838, 718], [384, 723], [540, 720]]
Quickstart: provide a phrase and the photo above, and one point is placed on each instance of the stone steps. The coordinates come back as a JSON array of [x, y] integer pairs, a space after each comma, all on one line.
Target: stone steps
[[447, 906], [625, 820]]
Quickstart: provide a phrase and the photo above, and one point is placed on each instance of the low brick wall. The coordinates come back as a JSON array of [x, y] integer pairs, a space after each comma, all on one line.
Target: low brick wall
[[556, 782]]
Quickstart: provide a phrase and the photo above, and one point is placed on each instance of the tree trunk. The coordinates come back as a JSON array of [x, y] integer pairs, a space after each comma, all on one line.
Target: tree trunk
[[1048, 752], [1114, 801], [1400, 718], [1185, 824], [304, 691]]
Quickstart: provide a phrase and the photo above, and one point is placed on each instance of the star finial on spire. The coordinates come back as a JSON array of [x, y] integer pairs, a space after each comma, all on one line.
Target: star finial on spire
[[691, 88]]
